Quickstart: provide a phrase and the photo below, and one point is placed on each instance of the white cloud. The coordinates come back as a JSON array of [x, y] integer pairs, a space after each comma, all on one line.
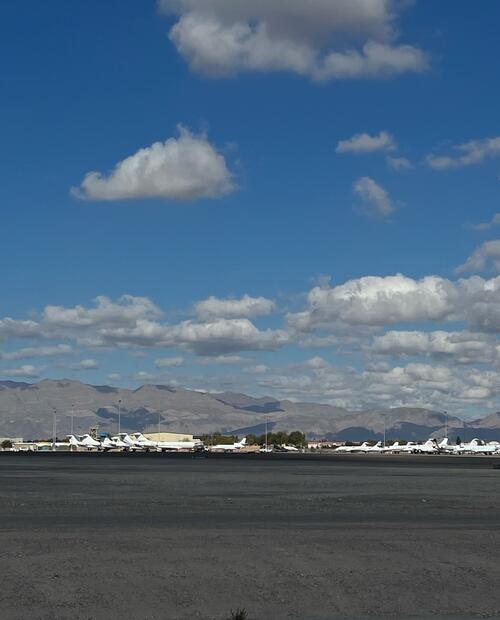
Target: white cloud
[[495, 221], [144, 376], [169, 362], [223, 336], [373, 300], [364, 143], [460, 347], [258, 369], [380, 301], [468, 154], [12, 328], [184, 168], [114, 376], [126, 311], [87, 364], [322, 39], [27, 371], [488, 253], [30, 352], [225, 360], [245, 307], [399, 163], [375, 198]]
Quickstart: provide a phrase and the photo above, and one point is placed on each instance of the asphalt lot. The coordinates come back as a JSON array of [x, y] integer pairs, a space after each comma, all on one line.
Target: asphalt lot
[[153, 537]]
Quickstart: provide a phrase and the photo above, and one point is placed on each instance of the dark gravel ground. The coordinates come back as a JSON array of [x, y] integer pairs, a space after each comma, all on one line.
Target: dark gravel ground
[[153, 537]]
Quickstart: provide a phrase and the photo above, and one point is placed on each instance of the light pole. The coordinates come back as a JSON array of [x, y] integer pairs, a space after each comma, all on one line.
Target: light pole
[[119, 416], [446, 424], [72, 418], [266, 433], [54, 429], [385, 425], [159, 425]]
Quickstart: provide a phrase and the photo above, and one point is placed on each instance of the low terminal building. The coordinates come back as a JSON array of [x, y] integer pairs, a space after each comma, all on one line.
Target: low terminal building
[[169, 436]]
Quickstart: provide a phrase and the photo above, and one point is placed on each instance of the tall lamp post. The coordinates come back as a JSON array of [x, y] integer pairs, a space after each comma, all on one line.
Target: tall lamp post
[[119, 416], [54, 429], [446, 424]]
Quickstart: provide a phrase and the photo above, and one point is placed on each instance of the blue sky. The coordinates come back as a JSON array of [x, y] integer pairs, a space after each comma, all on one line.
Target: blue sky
[[263, 106]]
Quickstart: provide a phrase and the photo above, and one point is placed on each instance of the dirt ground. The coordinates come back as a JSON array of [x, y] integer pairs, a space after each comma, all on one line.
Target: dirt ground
[[150, 537]]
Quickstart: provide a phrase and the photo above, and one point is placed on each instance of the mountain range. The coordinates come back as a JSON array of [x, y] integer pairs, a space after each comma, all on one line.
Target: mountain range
[[27, 410]]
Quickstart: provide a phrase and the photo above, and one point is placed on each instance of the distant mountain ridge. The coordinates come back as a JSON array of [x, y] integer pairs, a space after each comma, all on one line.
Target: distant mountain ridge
[[27, 409]]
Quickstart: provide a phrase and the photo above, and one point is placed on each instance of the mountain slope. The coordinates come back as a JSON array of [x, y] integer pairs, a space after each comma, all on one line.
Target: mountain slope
[[27, 410]]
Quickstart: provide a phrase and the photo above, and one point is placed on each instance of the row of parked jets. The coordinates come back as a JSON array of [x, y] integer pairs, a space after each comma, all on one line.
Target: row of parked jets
[[135, 442], [431, 446]]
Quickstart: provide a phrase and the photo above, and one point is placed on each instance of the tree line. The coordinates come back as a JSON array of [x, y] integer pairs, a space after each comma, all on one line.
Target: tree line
[[280, 438]]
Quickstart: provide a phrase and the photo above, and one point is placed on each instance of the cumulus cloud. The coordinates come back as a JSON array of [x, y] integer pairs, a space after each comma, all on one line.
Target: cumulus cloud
[[399, 163], [322, 39], [12, 328], [27, 371], [245, 307], [169, 362], [373, 300], [374, 197], [223, 336], [468, 154], [459, 347], [183, 169], [126, 311], [30, 352], [364, 143], [486, 255]]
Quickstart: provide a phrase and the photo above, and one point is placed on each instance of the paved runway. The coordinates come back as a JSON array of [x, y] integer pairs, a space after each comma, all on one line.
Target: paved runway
[[154, 537]]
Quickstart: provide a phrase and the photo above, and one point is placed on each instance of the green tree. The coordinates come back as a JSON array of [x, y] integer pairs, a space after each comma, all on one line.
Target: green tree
[[6, 444], [297, 439]]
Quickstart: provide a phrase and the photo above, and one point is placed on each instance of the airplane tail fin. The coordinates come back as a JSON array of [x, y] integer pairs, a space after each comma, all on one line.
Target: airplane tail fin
[[243, 441]]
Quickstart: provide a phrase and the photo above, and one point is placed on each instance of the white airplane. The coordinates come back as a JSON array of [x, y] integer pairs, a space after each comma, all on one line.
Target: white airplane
[[351, 449], [230, 447], [130, 442], [113, 443], [375, 448], [84, 441], [290, 448], [485, 448], [173, 446], [143, 442], [394, 448], [429, 447], [119, 443], [464, 447]]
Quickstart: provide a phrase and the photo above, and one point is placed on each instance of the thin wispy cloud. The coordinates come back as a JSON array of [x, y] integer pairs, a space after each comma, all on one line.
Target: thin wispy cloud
[[374, 198]]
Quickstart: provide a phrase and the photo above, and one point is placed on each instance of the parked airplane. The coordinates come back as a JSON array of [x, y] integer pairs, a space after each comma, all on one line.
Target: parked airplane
[[376, 448], [429, 447], [174, 446], [84, 441], [351, 449], [230, 447], [143, 442]]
